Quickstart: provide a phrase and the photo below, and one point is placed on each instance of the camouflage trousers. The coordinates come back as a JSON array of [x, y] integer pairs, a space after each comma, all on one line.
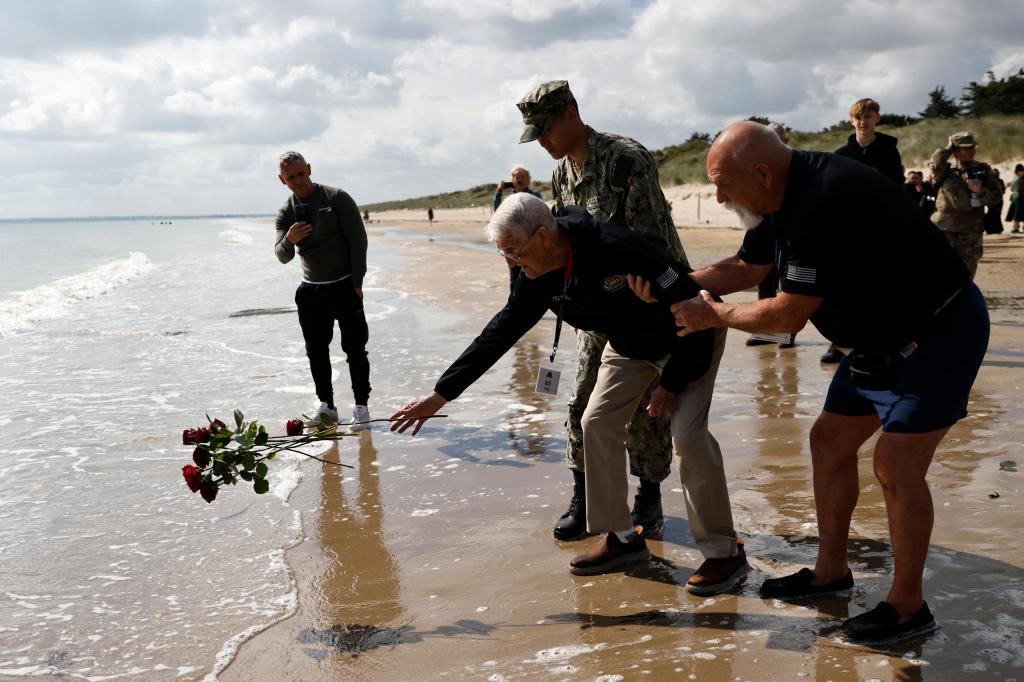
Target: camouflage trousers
[[648, 439], [968, 245]]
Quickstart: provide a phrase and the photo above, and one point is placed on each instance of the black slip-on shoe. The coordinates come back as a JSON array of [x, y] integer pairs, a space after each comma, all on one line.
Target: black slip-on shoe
[[799, 585], [881, 625], [831, 356]]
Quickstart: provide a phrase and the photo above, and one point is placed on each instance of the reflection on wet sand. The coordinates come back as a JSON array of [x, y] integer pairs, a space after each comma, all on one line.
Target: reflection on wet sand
[[526, 430], [360, 592]]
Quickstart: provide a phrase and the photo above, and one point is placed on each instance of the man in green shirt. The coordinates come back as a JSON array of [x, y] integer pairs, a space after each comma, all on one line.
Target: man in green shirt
[[323, 224]]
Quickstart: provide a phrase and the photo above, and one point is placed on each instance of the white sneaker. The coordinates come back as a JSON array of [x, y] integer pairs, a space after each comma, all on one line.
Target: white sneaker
[[360, 413], [325, 414]]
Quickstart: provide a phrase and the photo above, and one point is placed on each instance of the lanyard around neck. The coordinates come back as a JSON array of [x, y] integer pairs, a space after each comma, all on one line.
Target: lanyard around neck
[[561, 306]]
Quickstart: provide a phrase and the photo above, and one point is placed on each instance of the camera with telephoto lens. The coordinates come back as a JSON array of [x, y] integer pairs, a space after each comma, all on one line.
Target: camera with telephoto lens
[[979, 173]]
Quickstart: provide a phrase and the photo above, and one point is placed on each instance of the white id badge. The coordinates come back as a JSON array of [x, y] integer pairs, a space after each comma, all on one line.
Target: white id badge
[[547, 378]]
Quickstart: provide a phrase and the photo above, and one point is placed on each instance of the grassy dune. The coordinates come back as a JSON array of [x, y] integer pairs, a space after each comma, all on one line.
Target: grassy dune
[[1000, 138]]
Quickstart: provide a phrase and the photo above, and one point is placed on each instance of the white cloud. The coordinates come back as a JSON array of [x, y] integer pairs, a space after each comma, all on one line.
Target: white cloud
[[185, 107]]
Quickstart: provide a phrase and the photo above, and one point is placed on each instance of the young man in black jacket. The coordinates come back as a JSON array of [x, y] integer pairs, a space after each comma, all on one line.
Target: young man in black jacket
[[874, 149], [578, 269]]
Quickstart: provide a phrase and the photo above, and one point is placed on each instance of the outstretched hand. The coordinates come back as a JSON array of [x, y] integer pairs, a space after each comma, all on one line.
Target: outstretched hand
[[416, 412], [641, 288], [696, 314]]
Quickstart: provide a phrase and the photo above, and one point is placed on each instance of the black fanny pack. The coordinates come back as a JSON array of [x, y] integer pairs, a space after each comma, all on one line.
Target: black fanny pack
[[875, 371], [880, 371]]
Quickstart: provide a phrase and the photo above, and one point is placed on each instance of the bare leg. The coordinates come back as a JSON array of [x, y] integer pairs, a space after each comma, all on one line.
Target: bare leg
[[901, 463], [835, 440]]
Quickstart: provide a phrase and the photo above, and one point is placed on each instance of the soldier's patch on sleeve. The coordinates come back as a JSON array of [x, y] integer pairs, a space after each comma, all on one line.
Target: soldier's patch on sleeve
[[667, 278], [795, 273], [614, 283]]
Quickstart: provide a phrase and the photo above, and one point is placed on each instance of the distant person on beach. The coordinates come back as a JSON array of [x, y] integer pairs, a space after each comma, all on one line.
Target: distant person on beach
[[1015, 213], [615, 179], [962, 193], [576, 267], [519, 182], [920, 192], [875, 149], [878, 279], [322, 223], [769, 286], [430, 216], [994, 213]]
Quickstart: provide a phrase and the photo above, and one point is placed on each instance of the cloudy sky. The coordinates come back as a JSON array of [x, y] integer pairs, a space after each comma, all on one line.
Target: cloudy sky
[[116, 107]]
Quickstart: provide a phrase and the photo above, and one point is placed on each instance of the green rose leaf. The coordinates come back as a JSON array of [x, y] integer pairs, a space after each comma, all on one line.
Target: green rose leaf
[[246, 476], [261, 470], [238, 419], [261, 486]]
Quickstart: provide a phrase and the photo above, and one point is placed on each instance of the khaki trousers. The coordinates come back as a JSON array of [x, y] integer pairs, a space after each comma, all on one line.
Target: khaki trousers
[[621, 383]]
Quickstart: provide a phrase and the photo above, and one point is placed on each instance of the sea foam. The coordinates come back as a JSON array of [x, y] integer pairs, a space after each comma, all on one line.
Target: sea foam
[[55, 299]]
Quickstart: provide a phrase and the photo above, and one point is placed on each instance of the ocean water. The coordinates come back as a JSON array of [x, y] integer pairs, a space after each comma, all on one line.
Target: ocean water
[[115, 336]]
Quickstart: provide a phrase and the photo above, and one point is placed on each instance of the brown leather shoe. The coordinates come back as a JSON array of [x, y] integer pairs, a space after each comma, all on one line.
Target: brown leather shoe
[[611, 553], [718, 575]]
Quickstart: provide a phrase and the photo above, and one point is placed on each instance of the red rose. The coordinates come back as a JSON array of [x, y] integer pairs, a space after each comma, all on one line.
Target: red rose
[[294, 427], [201, 456], [189, 437], [193, 477], [202, 434], [208, 490], [217, 425]]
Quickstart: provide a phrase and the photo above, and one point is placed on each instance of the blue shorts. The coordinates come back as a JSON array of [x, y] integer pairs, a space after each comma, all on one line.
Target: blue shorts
[[935, 382]]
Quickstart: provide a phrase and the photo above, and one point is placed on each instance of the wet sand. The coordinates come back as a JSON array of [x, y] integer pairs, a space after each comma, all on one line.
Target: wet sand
[[433, 559]]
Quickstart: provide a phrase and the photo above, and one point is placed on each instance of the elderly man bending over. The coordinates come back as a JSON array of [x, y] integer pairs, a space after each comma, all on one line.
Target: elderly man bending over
[[878, 279], [577, 268]]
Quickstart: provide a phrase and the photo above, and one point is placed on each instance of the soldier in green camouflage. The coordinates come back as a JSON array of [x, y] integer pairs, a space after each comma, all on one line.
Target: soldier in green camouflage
[[616, 180], [963, 191]]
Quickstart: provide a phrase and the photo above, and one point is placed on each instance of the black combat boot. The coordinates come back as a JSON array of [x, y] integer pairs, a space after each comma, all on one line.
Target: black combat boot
[[573, 524], [647, 509]]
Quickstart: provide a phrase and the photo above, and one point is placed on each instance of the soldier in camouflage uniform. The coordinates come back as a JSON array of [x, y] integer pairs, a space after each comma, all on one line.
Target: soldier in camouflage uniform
[[963, 191], [616, 180]]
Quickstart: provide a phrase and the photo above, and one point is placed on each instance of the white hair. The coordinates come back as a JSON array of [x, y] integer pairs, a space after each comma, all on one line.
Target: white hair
[[517, 217], [519, 168]]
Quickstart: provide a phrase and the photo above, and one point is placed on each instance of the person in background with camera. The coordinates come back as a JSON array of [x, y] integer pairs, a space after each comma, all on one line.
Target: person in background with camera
[[520, 183], [962, 193], [921, 192], [875, 277], [322, 223]]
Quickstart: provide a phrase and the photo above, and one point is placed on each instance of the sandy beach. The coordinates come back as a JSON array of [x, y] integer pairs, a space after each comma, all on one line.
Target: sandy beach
[[433, 559]]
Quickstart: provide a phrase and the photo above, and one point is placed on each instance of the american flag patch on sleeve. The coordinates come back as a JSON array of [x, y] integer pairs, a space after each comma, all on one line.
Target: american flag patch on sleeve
[[667, 278], [796, 273]]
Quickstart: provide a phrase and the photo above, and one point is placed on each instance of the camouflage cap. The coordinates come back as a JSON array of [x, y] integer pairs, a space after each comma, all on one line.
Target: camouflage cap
[[964, 139], [541, 105]]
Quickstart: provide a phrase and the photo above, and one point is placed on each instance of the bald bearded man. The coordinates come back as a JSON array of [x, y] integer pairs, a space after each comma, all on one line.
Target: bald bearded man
[[877, 278]]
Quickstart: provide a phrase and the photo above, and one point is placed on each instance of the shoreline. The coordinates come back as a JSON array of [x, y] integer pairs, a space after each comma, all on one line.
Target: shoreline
[[415, 579]]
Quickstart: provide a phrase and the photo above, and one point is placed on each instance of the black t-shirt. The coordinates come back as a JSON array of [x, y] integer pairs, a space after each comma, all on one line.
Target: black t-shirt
[[853, 237]]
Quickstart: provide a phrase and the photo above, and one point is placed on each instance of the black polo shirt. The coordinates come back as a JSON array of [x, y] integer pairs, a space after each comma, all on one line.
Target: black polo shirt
[[853, 237], [597, 298]]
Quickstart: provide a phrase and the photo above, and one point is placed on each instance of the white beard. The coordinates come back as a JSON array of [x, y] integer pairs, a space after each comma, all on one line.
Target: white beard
[[748, 219]]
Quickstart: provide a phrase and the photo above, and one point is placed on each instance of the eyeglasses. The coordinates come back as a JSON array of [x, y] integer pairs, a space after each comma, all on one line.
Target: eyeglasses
[[515, 257]]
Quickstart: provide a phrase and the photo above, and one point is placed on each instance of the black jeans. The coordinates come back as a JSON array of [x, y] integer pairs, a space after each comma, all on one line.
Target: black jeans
[[319, 306]]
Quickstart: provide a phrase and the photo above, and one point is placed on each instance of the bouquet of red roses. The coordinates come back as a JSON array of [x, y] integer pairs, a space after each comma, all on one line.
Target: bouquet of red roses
[[223, 456]]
